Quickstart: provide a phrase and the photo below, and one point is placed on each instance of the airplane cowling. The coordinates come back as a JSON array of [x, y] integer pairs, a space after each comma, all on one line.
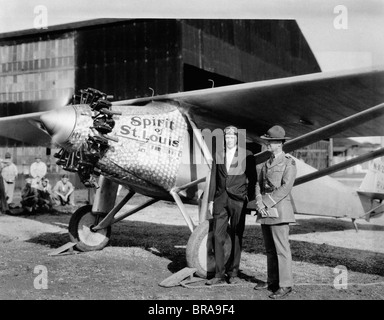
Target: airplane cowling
[[149, 149]]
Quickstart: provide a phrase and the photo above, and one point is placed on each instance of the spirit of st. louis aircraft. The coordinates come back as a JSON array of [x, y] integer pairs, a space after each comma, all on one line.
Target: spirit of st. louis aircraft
[[150, 145]]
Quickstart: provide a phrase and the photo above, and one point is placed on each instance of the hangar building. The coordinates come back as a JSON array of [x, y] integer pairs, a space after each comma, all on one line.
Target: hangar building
[[130, 58]]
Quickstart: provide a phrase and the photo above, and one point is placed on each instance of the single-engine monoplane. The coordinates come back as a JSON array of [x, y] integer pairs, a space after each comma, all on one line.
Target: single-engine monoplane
[[160, 146]]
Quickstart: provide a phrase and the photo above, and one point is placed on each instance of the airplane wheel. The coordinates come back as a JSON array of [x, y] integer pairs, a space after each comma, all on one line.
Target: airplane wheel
[[200, 254], [80, 230]]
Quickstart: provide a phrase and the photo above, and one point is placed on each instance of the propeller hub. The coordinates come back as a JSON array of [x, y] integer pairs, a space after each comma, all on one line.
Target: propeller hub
[[60, 123]]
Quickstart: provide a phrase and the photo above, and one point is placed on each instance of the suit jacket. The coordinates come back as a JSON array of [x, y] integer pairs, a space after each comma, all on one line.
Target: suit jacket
[[234, 182], [280, 175]]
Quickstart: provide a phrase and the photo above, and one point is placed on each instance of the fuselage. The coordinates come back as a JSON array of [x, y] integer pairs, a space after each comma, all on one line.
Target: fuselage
[[152, 149], [149, 150]]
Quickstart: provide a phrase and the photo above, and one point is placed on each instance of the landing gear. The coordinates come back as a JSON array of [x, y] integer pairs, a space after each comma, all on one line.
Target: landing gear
[[355, 224], [81, 232], [200, 253]]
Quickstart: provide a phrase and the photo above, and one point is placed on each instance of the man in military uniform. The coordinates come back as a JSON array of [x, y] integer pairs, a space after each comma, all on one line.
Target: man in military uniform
[[275, 179]]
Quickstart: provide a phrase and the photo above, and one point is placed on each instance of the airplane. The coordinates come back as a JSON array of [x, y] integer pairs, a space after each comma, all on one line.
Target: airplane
[[154, 146]]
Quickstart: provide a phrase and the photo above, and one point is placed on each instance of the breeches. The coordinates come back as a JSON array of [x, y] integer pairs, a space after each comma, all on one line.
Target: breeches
[[279, 257]]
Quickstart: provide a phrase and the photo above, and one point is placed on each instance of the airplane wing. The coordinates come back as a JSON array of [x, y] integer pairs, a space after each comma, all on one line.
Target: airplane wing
[[26, 128], [300, 104]]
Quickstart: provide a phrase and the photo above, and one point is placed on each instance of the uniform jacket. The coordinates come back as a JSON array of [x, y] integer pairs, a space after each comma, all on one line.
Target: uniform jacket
[[234, 181], [280, 176]]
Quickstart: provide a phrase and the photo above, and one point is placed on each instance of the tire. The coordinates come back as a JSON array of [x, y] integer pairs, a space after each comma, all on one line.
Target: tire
[[80, 232], [200, 253]]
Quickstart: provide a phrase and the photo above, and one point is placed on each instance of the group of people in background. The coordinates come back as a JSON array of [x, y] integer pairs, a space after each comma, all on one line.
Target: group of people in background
[[37, 193]]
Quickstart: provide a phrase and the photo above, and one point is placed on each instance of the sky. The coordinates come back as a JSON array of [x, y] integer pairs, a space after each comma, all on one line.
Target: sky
[[343, 34]]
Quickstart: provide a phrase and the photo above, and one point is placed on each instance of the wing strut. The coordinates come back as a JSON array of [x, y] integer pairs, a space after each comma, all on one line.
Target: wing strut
[[339, 166], [203, 209], [208, 158], [327, 131]]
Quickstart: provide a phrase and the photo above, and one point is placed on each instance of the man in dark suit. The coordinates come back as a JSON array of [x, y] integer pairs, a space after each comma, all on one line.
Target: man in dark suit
[[228, 202], [275, 179]]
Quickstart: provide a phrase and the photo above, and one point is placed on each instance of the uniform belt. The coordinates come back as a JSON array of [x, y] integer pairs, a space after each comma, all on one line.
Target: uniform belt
[[9, 182]]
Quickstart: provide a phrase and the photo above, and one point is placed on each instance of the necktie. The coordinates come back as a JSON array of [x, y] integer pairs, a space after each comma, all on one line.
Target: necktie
[[271, 158]]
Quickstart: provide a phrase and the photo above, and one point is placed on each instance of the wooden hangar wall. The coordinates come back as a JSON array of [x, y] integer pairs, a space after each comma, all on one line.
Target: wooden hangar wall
[[127, 57], [246, 50]]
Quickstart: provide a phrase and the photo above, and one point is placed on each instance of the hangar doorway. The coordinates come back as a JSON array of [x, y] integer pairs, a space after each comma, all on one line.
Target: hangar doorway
[[196, 78]]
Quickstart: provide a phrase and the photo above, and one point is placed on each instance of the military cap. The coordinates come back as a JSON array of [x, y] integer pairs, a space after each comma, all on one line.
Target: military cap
[[276, 133]]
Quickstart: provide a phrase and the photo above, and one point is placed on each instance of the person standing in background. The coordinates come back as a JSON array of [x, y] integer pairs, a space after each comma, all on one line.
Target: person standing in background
[[9, 173], [37, 170]]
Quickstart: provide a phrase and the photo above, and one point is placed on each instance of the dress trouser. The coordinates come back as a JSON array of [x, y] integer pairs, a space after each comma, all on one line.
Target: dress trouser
[[279, 258], [228, 214]]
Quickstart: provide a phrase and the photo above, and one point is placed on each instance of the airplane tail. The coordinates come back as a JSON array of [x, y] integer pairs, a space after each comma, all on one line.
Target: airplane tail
[[372, 187]]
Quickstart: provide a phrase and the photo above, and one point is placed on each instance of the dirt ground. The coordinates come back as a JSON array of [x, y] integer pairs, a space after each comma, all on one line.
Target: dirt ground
[[331, 261]]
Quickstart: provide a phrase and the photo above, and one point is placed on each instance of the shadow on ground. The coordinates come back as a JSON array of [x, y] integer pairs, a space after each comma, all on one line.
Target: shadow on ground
[[329, 225], [170, 241]]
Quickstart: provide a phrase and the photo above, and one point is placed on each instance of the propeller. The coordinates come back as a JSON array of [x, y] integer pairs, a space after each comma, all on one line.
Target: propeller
[[59, 123], [81, 129]]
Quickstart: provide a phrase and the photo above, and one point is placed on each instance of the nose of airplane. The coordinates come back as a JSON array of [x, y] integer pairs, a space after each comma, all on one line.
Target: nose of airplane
[[60, 123]]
